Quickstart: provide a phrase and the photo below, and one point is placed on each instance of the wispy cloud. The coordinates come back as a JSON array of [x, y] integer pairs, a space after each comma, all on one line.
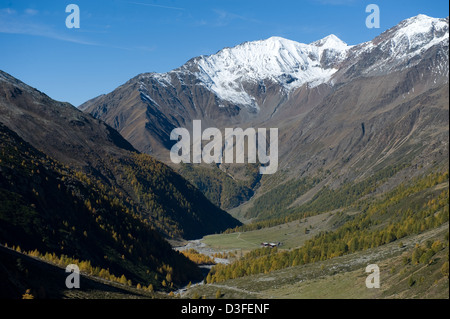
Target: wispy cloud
[[28, 23], [7, 11], [224, 18], [13, 23], [31, 12], [155, 5]]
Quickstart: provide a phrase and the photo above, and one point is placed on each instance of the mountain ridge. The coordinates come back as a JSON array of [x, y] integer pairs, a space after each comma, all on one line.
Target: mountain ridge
[[207, 69], [93, 147], [377, 105]]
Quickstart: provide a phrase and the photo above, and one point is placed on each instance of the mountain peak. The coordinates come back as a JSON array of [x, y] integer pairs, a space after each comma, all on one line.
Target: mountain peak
[[230, 72], [276, 39], [280, 60], [416, 34], [331, 42], [420, 17], [421, 24]]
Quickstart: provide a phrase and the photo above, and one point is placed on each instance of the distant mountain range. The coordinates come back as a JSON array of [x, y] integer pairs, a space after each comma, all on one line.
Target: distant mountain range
[[343, 112]]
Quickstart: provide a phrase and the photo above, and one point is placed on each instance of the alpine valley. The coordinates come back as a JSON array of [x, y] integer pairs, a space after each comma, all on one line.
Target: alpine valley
[[363, 137]]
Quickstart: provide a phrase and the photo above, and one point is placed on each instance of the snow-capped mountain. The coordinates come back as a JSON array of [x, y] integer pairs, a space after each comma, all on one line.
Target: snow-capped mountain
[[401, 46], [289, 63], [228, 73], [415, 35], [285, 62], [308, 91]]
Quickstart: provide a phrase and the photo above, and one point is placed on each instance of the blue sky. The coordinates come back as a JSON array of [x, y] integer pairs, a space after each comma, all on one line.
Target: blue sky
[[119, 39]]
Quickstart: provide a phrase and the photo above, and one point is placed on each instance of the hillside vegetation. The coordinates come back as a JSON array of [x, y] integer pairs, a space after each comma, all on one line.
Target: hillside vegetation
[[143, 185], [344, 277], [48, 208], [409, 209], [222, 189]]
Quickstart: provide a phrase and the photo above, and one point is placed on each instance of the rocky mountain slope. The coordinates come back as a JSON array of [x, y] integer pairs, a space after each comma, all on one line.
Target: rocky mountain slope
[[52, 211], [344, 113], [147, 187]]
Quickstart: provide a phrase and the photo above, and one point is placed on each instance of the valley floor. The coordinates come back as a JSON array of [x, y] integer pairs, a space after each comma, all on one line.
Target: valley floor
[[344, 277], [341, 277]]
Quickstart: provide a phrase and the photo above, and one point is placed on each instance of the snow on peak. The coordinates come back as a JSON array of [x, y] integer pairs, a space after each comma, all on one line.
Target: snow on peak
[[287, 62], [420, 19], [291, 64], [420, 31], [422, 24], [331, 42], [404, 42]]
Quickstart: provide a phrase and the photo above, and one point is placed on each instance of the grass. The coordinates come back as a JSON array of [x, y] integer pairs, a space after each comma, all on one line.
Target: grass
[[344, 277], [291, 235]]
